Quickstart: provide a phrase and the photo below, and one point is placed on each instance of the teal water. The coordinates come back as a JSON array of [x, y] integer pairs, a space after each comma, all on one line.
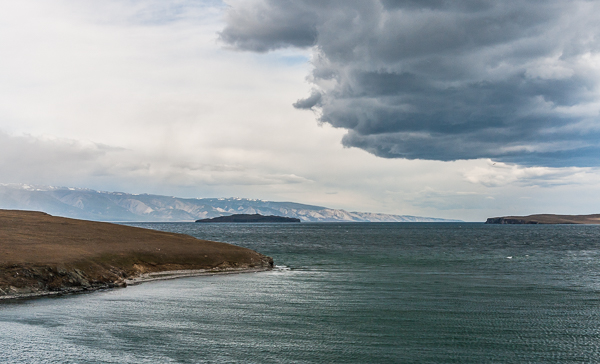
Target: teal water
[[342, 293]]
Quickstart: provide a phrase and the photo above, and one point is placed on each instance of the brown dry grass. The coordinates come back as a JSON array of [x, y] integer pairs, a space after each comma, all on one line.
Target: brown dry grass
[[41, 252]]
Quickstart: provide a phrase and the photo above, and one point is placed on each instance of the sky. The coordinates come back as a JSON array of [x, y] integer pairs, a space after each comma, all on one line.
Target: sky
[[451, 109]]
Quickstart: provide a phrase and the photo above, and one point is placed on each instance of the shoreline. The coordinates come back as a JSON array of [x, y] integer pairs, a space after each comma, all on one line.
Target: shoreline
[[137, 280]]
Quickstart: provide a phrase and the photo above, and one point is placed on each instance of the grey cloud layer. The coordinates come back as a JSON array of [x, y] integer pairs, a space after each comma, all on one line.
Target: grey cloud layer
[[516, 81], [45, 160]]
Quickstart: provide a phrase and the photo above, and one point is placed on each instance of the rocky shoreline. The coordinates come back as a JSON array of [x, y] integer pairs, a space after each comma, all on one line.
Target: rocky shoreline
[[14, 293], [43, 255]]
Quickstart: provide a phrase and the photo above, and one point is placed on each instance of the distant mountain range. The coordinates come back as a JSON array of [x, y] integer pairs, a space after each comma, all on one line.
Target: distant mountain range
[[117, 206]]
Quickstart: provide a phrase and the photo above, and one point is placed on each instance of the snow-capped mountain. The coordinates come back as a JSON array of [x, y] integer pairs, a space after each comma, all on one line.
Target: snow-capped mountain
[[117, 206]]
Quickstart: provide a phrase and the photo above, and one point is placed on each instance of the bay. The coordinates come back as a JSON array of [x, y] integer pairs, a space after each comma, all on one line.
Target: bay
[[341, 293]]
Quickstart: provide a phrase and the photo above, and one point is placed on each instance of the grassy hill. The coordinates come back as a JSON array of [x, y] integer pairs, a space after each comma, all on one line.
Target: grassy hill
[[40, 254]]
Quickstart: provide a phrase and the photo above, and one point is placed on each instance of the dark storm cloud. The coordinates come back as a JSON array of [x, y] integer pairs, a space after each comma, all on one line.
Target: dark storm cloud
[[308, 103], [275, 25], [516, 81]]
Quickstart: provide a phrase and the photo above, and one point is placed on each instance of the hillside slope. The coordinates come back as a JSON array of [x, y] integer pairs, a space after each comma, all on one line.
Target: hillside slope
[[40, 254]]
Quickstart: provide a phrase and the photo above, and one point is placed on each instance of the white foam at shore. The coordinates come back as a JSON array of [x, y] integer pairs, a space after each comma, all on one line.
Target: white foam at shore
[[172, 274], [146, 277]]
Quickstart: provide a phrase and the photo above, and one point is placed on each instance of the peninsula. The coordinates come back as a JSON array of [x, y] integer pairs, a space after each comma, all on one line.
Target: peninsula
[[44, 255], [546, 219], [245, 218]]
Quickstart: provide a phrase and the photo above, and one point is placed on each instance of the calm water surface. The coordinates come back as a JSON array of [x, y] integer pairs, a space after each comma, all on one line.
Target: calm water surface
[[342, 293]]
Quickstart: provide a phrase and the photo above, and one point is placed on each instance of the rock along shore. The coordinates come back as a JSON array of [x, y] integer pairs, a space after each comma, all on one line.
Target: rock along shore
[[43, 255]]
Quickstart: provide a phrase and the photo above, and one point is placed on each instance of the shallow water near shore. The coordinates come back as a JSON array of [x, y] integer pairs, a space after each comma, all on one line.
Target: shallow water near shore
[[342, 293]]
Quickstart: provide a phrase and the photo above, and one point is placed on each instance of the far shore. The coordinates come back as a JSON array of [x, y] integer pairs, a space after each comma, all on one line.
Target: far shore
[[548, 219]]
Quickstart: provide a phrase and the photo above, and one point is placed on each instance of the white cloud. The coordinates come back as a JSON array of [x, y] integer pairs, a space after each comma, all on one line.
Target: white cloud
[[117, 95], [496, 174]]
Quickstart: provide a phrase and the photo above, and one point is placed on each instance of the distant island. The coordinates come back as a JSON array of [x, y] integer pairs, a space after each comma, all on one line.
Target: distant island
[[247, 218], [44, 255], [546, 219]]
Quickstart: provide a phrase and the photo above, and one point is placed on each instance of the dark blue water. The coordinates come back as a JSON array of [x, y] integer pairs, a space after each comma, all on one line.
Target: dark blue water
[[343, 293]]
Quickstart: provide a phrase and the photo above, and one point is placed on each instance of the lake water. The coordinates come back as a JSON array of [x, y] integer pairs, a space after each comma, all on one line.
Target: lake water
[[342, 293]]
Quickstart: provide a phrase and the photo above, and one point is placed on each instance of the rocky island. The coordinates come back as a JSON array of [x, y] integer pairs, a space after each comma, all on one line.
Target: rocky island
[[246, 218], [546, 219], [44, 255]]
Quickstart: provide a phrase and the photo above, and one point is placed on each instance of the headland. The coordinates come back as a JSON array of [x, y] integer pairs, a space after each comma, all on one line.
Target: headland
[[43, 255], [546, 219]]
